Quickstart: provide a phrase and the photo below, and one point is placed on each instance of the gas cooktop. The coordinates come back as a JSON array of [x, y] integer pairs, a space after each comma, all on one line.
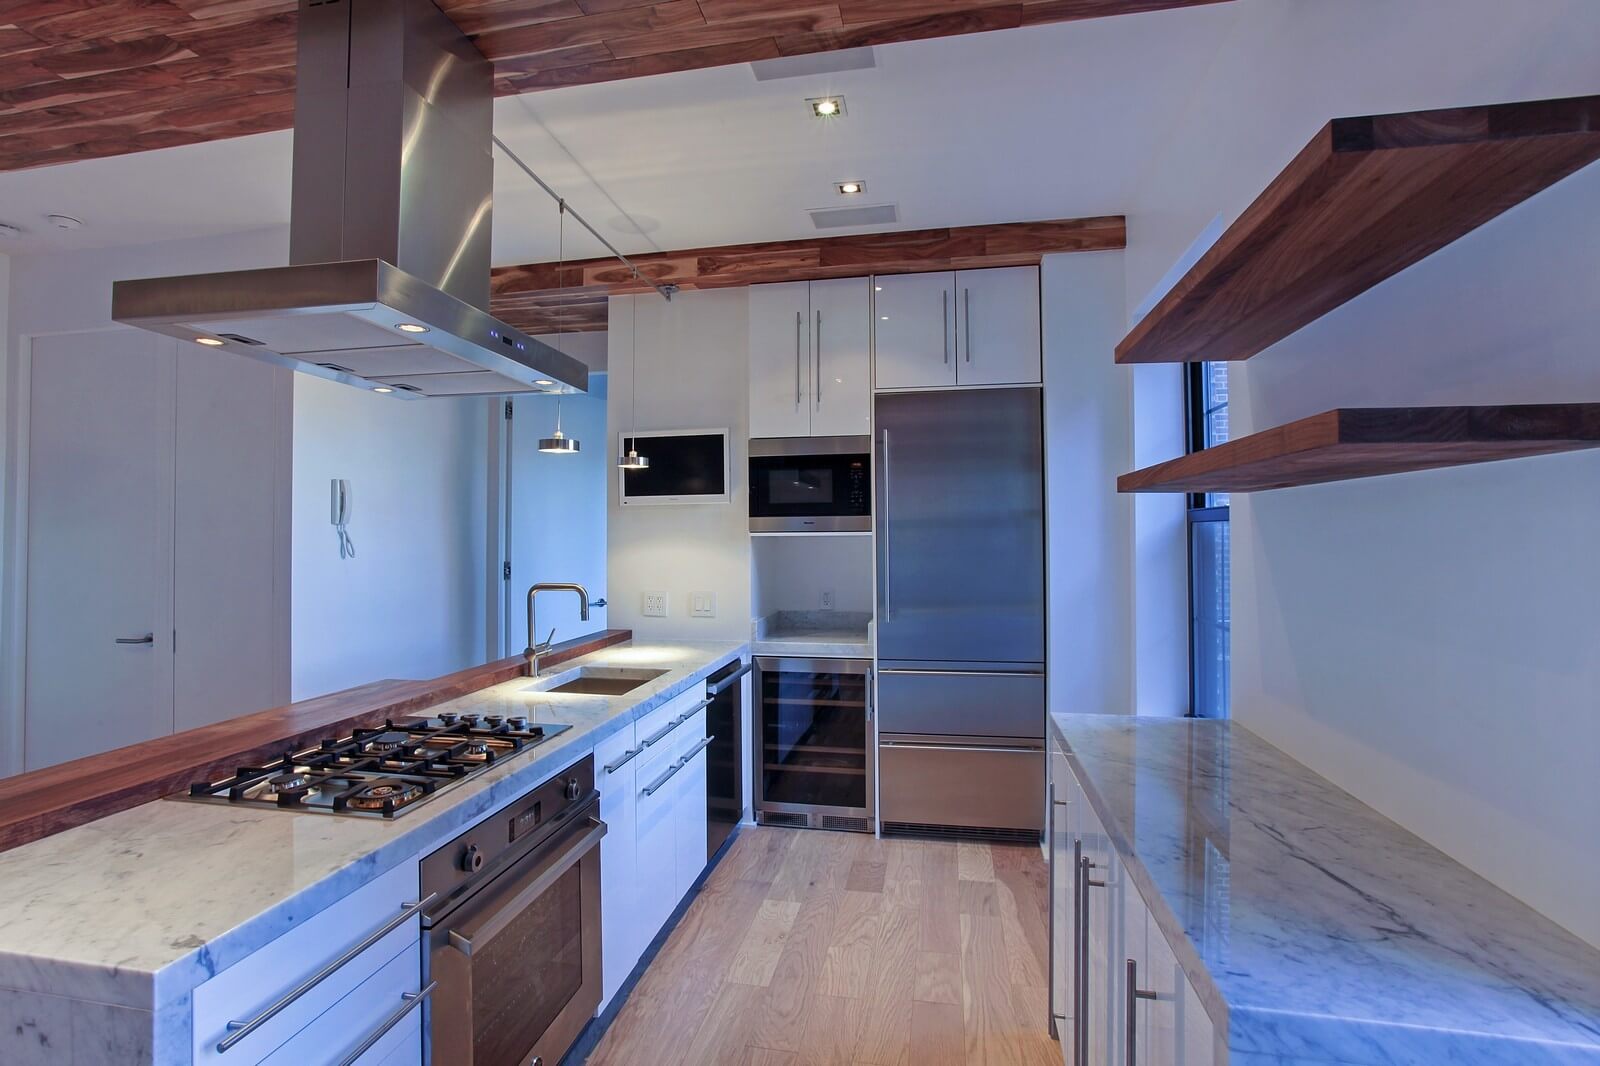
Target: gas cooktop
[[380, 773]]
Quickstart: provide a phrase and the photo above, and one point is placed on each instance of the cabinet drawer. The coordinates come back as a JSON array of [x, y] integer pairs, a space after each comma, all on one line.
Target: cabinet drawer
[[961, 704], [978, 787], [251, 988], [371, 1006], [614, 759], [651, 728]]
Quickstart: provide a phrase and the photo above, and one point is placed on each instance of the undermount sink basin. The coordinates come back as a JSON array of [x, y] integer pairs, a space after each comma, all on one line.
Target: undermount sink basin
[[605, 681]]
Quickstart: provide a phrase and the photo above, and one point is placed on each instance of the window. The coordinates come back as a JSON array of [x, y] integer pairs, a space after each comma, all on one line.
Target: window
[[1209, 591]]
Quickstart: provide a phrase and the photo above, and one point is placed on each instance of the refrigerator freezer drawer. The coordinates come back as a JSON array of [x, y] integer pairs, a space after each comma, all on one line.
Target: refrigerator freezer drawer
[[961, 703], [971, 787]]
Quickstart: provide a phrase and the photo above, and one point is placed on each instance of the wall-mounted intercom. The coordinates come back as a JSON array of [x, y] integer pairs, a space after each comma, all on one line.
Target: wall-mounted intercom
[[339, 514]]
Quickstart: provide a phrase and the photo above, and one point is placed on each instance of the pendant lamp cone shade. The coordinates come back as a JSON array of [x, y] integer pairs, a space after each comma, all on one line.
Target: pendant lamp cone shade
[[560, 443]]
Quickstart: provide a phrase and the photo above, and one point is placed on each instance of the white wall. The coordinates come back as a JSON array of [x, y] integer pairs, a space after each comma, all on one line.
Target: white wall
[[791, 573], [1426, 640], [692, 374], [1087, 436]]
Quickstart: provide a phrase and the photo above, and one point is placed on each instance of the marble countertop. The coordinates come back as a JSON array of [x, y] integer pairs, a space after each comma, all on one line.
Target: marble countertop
[[138, 908], [1318, 929], [814, 634]]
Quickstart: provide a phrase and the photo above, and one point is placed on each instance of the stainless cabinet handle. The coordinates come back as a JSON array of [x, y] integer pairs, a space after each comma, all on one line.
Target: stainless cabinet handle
[[627, 757], [1081, 985], [966, 318], [883, 525], [1135, 994], [237, 1031], [944, 322], [655, 786], [701, 745], [818, 342], [872, 698], [797, 360], [148, 638], [412, 1001]]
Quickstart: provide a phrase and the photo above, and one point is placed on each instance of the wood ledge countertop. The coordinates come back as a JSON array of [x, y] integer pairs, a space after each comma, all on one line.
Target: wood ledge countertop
[[42, 802]]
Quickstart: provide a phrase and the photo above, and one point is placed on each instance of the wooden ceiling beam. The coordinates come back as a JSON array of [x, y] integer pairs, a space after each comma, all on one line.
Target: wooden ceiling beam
[[59, 54], [543, 297]]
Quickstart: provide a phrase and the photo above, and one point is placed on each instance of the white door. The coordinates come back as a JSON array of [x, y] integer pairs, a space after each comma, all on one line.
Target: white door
[[913, 322], [558, 513], [780, 367], [997, 326], [100, 485], [841, 357]]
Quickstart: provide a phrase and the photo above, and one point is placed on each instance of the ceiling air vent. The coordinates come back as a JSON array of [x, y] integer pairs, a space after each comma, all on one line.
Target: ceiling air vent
[[240, 338], [337, 368], [835, 217]]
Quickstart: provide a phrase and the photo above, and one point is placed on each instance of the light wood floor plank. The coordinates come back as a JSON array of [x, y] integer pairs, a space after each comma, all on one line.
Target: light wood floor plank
[[808, 947]]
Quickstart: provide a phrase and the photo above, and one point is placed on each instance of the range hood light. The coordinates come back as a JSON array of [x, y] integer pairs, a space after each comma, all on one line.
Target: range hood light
[[411, 327], [381, 388], [209, 342], [544, 381]]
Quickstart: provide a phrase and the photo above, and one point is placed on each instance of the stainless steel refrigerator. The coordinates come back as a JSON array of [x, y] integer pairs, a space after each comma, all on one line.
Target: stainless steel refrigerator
[[960, 620]]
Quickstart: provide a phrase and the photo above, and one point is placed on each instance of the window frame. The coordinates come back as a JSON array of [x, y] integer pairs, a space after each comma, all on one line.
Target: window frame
[[1199, 509]]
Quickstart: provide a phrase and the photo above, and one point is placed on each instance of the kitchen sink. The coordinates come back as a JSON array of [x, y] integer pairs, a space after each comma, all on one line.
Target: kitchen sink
[[604, 681]]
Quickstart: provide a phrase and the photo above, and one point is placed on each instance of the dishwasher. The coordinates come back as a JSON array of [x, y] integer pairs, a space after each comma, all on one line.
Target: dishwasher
[[724, 763]]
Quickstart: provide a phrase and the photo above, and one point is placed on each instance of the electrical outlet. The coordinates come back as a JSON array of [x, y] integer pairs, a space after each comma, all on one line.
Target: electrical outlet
[[827, 599], [702, 604], [653, 604]]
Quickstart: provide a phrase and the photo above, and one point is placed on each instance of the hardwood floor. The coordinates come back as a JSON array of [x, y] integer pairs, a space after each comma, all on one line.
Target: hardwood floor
[[806, 947]]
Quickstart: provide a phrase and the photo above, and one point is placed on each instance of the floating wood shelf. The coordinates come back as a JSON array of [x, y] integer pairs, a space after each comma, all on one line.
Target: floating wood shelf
[[1357, 442], [1365, 199]]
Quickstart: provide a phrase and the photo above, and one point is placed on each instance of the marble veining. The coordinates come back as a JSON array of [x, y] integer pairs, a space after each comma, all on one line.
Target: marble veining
[[1313, 928], [136, 909], [814, 634]]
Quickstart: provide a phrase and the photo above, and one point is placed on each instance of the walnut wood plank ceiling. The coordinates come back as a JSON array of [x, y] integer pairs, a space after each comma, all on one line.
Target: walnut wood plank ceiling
[[540, 298], [81, 79]]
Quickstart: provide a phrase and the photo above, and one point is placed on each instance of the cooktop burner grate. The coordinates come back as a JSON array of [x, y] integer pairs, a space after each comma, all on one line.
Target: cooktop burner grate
[[380, 772]]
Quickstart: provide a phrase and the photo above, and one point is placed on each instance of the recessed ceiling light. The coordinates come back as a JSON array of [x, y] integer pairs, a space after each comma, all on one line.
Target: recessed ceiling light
[[9, 232], [826, 106], [381, 388], [64, 221], [851, 188], [411, 327], [209, 342]]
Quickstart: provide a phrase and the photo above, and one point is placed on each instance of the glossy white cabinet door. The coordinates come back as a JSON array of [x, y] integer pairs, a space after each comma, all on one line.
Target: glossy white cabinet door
[[780, 360], [913, 326], [997, 326], [841, 357], [690, 807], [359, 1015], [1135, 1012], [655, 850], [1062, 874], [622, 938], [1196, 1044]]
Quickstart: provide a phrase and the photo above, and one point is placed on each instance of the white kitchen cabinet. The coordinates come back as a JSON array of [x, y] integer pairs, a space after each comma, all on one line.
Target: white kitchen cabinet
[[622, 937], [690, 804], [1062, 914], [997, 326], [841, 357], [780, 360], [246, 990], [371, 1006], [810, 358], [913, 319]]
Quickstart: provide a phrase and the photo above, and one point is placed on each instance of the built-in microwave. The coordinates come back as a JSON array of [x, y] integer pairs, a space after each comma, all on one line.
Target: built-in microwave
[[811, 485]]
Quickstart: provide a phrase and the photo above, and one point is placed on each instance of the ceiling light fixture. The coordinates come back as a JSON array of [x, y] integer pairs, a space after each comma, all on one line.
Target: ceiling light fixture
[[560, 444], [631, 459], [544, 381], [10, 232], [64, 221], [381, 388], [850, 188], [826, 106], [411, 327], [209, 342]]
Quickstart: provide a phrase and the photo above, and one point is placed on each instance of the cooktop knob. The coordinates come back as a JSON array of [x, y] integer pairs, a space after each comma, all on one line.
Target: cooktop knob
[[472, 859], [447, 718], [573, 788]]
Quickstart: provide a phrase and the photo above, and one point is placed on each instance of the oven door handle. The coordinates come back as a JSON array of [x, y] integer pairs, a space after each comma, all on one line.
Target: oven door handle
[[584, 837]]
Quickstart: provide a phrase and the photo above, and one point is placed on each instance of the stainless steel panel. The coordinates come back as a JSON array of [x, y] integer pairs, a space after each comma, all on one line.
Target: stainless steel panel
[[836, 445], [976, 786], [960, 485], [961, 704], [817, 524]]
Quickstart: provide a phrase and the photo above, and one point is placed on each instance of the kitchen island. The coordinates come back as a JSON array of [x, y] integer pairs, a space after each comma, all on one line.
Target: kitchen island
[[114, 924], [1302, 926]]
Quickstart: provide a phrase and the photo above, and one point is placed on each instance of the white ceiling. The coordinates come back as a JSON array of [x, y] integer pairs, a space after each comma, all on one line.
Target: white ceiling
[[1044, 122]]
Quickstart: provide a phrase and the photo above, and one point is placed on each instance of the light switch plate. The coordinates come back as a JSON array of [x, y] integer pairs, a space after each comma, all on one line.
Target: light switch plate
[[653, 604], [703, 604]]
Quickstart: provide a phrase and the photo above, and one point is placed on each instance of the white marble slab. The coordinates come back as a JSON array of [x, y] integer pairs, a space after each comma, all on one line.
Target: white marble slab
[[814, 635], [136, 909], [1318, 929]]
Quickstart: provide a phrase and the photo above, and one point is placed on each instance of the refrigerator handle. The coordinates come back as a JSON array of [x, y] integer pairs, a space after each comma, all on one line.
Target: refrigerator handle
[[883, 512]]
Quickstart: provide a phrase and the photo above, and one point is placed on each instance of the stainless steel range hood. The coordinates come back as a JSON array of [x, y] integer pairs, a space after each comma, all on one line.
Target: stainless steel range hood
[[388, 286]]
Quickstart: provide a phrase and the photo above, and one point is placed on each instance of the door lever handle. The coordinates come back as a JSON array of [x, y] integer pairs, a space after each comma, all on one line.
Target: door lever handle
[[148, 638]]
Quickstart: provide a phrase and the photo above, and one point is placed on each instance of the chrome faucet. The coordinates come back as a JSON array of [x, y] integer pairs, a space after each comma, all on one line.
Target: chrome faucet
[[536, 648]]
